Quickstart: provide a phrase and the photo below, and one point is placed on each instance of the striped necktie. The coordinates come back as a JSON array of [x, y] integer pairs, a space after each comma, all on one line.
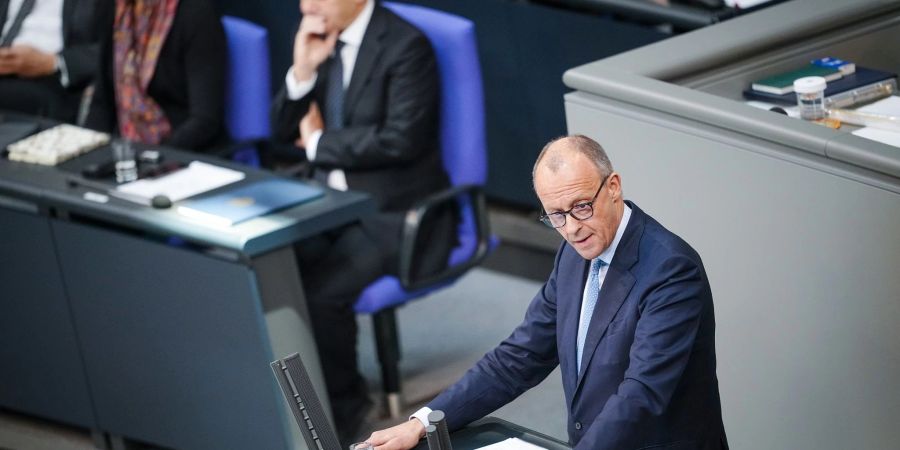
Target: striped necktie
[[4, 7], [588, 303], [334, 91]]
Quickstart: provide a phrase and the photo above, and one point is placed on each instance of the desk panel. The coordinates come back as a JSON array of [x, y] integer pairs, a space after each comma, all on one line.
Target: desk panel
[[41, 372], [174, 342]]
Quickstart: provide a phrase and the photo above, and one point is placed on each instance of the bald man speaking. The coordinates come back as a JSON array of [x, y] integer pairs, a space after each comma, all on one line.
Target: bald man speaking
[[627, 314]]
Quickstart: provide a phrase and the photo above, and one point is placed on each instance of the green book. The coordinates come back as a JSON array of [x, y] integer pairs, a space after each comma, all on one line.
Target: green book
[[783, 83]]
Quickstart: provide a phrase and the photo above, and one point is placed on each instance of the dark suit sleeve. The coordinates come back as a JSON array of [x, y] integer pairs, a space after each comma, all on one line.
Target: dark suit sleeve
[[81, 36], [81, 64], [102, 115], [664, 338], [286, 115], [103, 108], [519, 363], [205, 66], [412, 92]]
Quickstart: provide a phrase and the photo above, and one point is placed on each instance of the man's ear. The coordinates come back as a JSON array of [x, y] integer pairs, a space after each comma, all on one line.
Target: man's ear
[[614, 185]]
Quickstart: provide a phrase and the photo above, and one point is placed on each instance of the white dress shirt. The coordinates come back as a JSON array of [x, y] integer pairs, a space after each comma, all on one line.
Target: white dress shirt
[[352, 37], [41, 29]]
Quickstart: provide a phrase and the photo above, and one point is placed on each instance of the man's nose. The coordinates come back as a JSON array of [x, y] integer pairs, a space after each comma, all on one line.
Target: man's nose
[[572, 226]]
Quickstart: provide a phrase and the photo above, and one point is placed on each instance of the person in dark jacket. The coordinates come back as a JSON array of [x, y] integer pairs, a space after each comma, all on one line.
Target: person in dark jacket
[[162, 73], [48, 55], [361, 103], [627, 315]]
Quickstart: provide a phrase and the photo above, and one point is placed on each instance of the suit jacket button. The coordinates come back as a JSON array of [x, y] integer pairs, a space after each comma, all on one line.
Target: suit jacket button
[[577, 425]]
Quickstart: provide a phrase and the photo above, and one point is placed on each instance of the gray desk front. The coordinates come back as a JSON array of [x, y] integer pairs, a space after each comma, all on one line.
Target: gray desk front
[[797, 224], [110, 327]]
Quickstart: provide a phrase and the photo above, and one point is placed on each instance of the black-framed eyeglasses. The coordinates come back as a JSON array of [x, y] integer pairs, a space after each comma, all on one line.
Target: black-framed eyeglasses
[[581, 211]]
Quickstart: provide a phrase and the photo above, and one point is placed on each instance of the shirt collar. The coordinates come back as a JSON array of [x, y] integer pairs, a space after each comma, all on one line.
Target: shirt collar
[[353, 34], [610, 251]]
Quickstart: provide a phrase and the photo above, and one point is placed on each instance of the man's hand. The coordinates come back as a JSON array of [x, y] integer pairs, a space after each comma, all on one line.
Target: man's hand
[[312, 45], [26, 62], [309, 124], [399, 437]]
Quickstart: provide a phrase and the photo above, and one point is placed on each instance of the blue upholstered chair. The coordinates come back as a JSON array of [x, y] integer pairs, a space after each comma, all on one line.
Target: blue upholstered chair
[[465, 160], [248, 95]]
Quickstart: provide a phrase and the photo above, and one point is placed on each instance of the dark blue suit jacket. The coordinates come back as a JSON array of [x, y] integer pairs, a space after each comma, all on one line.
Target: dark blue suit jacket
[[648, 376]]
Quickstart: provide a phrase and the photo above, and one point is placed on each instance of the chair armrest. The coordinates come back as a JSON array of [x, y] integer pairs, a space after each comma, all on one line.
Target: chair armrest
[[411, 228]]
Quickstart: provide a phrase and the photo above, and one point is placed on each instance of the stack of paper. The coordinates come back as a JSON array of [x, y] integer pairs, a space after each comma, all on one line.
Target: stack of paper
[[55, 145], [196, 178]]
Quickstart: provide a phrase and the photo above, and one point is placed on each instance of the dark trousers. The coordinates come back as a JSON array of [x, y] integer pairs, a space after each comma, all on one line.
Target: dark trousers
[[335, 267], [43, 97]]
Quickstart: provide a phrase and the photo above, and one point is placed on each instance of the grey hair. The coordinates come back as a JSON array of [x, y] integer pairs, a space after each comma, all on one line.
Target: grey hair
[[581, 144]]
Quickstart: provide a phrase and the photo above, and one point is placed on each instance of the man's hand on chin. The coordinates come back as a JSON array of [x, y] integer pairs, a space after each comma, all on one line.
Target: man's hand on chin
[[399, 437], [313, 44]]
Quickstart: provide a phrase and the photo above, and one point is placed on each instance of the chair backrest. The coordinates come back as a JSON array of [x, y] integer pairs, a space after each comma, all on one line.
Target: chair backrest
[[462, 99], [462, 128], [463, 145], [248, 93]]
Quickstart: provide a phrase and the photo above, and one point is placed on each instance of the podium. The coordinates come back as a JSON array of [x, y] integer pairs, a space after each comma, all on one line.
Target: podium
[[796, 223]]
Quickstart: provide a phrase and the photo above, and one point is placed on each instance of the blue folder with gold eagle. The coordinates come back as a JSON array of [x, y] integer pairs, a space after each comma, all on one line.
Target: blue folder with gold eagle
[[246, 202]]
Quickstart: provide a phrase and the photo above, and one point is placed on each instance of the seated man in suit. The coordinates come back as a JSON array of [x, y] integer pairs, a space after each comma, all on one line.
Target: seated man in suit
[[48, 55], [627, 314], [361, 104]]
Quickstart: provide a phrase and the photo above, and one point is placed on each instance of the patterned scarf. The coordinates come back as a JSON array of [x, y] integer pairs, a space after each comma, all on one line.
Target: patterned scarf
[[139, 33]]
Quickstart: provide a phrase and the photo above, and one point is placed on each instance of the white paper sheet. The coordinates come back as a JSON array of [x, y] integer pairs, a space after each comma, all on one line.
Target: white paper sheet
[[512, 444], [196, 178], [877, 134], [743, 4], [889, 106]]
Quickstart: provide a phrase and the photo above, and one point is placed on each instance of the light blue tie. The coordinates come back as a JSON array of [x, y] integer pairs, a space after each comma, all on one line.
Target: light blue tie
[[590, 301]]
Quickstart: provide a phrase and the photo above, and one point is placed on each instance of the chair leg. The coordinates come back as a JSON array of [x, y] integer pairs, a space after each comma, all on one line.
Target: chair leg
[[387, 342]]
